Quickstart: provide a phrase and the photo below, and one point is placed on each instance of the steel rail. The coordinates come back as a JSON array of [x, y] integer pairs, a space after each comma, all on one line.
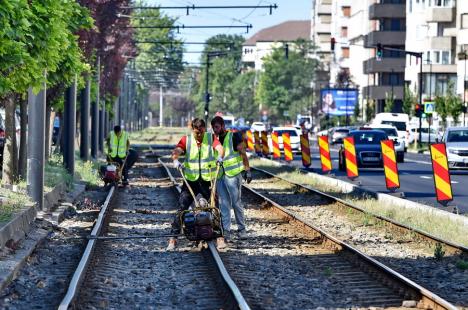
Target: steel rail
[[235, 291], [80, 271], [426, 298], [453, 247]]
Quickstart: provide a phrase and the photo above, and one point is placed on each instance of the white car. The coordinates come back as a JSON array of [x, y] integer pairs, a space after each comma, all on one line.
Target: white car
[[399, 143], [456, 142], [434, 135], [257, 126], [294, 136]]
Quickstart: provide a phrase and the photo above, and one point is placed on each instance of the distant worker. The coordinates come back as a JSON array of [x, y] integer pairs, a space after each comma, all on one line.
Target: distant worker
[[235, 167], [199, 168], [118, 146]]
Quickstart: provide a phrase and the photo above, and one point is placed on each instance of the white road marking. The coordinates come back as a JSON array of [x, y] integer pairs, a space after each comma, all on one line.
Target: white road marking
[[454, 182], [424, 177], [417, 161]]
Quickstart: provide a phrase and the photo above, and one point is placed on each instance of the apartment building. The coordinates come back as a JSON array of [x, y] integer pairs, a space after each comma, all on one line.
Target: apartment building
[[320, 36], [340, 61], [462, 48]]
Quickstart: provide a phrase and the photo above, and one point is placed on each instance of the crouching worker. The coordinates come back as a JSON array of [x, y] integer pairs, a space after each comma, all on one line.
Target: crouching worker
[[118, 146], [199, 168]]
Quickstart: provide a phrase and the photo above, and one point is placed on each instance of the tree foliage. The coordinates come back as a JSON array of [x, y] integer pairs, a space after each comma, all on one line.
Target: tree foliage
[[449, 105], [409, 101]]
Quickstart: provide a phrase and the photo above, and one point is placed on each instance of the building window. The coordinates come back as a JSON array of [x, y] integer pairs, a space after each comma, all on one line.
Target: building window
[[346, 10], [464, 21], [440, 3], [344, 32], [345, 52]]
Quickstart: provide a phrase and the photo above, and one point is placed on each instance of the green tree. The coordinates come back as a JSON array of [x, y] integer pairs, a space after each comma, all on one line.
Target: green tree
[[285, 82], [370, 109], [242, 91], [409, 101], [449, 105], [389, 102]]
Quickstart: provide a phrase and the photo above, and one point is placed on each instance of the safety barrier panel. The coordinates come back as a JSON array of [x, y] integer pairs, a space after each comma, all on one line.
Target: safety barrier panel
[[443, 185], [258, 146], [250, 141], [350, 157], [325, 158], [287, 147], [392, 180], [265, 148], [275, 144], [305, 150]]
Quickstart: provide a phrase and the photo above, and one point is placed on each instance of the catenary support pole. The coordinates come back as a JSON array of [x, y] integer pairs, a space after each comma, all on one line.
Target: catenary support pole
[[70, 127], [420, 98], [36, 145], [161, 115], [95, 120], [84, 126]]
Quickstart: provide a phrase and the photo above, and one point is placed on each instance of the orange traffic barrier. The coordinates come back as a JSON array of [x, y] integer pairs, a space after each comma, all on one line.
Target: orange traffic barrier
[[305, 150], [258, 147], [275, 144], [250, 141], [265, 148], [442, 181], [325, 158], [392, 180], [287, 147], [350, 155]]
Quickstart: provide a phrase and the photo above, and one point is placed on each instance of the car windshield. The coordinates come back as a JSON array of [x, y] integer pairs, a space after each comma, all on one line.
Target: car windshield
[[292, 133], [342, 130], [368, 137], [388, 131], [400, 126], [457, 136]]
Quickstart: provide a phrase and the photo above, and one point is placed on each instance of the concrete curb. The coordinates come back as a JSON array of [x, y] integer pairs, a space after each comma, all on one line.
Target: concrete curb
[[21, 228], [352, 189]]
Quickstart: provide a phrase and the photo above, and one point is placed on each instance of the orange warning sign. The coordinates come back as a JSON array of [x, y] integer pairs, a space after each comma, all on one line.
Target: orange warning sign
[[392, 180], [258, 146], [265, 148], [350, 155], [325, 158], [305, 150], [275, 144], [288, 156], [440, 169], [250, 141]]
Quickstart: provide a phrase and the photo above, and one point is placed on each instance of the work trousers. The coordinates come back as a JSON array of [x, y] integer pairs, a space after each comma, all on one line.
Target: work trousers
[[229, 194], [132, 157], [199, 186]]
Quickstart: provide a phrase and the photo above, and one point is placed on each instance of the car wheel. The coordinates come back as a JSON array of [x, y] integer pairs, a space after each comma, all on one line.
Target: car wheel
[[401, 157], [341, 164]]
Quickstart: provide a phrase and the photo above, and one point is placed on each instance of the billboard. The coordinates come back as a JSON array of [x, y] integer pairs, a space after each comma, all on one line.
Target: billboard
[[338, 101]]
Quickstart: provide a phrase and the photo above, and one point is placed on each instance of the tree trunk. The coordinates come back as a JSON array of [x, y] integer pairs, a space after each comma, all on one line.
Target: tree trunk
[[10, 160], [23, 150], [47, 132]]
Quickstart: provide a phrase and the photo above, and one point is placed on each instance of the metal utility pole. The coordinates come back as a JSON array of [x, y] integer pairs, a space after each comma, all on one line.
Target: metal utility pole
[[102, 109], [84, 129], [207, 94], [420, 97], [36, 145], [70, 125], [161, 116], [95, 118]]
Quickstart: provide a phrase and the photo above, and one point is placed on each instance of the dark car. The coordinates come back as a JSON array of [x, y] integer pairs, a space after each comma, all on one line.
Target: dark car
[[368, 149]]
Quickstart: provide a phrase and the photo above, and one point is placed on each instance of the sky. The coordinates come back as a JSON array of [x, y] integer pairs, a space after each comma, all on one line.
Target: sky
[[259, 18]]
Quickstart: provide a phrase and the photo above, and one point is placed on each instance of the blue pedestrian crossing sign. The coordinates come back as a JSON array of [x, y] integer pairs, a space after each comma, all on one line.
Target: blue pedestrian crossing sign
[[429, 107]]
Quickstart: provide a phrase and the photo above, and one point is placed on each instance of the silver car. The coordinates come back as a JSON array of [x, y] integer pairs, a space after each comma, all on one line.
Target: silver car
[[456, 142]]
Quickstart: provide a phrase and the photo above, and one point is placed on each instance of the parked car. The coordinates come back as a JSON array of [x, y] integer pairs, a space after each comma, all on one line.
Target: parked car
[[456, 142], [258, 126], [399, 120], [434, 135], [399, 143], [368, 150], [337, 134], [294, 135]]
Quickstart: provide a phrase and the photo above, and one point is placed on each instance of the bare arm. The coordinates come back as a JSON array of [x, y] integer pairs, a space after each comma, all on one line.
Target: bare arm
[[219, 148], [177, 152]]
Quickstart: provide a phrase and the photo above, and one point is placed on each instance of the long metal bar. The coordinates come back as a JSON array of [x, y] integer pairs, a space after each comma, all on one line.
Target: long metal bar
[[84, 126], [80, 271], [70, 127], [249, 26], [184, 42]]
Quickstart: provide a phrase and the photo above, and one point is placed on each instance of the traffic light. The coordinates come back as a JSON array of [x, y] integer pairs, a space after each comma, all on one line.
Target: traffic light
[[418, 110], [379, 52], [332, 44]]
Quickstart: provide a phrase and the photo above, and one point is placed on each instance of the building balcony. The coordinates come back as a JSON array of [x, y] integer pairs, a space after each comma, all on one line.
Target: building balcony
[[440, 15], [439, 43], [387, 64], [324, 9], [380, 92], [385, 38], [377, 11], [322, 28], [462, 36], [437, 68]]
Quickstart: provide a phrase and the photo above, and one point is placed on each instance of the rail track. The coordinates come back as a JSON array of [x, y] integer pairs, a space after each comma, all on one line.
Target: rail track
[[126, 265], [286, 262], [404, 249]]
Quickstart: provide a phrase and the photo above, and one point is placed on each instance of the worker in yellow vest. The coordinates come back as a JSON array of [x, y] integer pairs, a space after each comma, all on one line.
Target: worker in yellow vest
[[199, 168], [235, 167], [118, 150]]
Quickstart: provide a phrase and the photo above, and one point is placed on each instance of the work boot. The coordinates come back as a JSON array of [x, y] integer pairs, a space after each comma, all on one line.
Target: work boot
[[124, 182], [242, 234], [221, 243], [171, 245]]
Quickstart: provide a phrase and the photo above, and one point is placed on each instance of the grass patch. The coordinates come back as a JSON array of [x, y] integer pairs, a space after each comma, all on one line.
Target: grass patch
[[158, 135], [14, 201], [55, 173], [462, 264], [88, 172], [428, 221]]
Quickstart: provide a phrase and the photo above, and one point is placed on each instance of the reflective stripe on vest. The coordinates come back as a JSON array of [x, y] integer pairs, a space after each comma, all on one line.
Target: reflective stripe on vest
[[199, 161], [232, 161], [118, 145]]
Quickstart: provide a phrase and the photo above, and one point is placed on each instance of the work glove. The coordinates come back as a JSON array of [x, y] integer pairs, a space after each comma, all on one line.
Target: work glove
[[247, 176], [177, 164], [219, 161]]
